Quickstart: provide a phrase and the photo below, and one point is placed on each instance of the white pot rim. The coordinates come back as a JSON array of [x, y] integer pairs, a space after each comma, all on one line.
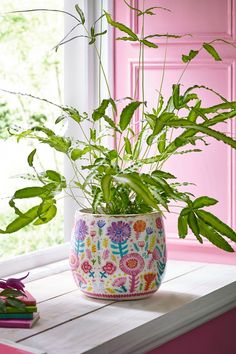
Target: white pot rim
[[89, 212]]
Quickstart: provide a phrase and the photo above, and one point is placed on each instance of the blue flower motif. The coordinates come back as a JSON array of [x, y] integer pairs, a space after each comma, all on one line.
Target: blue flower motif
[[119, 231], [149, 230], [101, 223]]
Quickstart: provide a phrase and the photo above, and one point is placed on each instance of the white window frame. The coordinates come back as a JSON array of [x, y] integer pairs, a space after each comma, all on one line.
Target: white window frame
[[80, 72]]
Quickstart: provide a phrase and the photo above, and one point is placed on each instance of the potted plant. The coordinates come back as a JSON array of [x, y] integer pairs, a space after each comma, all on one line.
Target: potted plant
[[118, 247]]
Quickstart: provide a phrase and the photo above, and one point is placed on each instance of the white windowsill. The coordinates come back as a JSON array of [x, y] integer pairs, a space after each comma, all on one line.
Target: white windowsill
[[191, 294]]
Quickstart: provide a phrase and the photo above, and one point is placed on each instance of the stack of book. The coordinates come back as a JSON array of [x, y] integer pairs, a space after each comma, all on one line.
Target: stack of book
[[15, 318]]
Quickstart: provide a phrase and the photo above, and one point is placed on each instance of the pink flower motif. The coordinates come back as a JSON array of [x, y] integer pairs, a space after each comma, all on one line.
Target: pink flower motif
[[88, 254], [105, 254], [109, 268], [119, 282], [73, 260], [132, 264], [141, 244], [159, 223], [92, 233], [79, 279], [86, 267]]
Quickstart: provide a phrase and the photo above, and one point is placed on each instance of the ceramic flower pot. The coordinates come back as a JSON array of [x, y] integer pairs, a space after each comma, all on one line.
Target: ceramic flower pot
[[118, 257]]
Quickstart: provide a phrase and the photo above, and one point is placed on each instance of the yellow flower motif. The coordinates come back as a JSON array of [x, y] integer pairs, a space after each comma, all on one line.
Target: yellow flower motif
[[94, 248], [105, 242], [82, 256], [152, 243], [89, 288], [113, 258], [110, 290], [88, 242]]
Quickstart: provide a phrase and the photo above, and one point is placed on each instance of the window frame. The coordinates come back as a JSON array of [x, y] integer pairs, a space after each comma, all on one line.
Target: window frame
[[77, 70]]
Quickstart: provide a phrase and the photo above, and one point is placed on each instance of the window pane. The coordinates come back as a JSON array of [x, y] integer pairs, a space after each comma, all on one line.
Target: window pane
[[28, 64]]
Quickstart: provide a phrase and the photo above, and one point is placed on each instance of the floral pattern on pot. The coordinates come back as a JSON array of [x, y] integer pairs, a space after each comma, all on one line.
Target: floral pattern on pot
[[119, 257]]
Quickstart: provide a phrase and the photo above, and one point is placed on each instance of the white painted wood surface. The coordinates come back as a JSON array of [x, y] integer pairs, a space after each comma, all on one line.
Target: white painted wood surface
[[191, 294]]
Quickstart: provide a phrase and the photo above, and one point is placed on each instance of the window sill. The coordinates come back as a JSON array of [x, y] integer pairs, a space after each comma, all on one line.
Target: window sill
[[191, 294], [41, 258]]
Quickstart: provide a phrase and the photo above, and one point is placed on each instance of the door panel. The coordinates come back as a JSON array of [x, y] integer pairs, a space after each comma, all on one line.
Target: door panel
[[213, 170]]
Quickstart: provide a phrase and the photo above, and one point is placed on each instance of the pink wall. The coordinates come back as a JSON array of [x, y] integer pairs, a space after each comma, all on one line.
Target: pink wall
[[214, 337], [214, 169]]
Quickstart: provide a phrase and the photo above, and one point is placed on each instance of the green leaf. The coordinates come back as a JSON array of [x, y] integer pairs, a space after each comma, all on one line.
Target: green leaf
[[127, 114], [121, 27], [217, 224], [57, 142], [216, 108], [151, 119], [158, 188], [167, 35], [111, 123], [162, 143], [29, 192], [93, 134], [204, 201], [112, 154], [150, 160], [100, 111], [60, 119], [81, 14], [192, 54], [138, 145], [185, 211], [176, 96], [201, 128], [187, 151], [133, 8], [22, 221], [3, 308], [213, 236], [211, 50], [189, 97], [46, 216], [73, 113], [166, 187], [128, 148], [106, 184], [193, 114], [208, 89], [16, 303], [193, 224], [78, 153], [126, 39], [135, 183], [31, 157], [159, 125], [148, 43], [163, 174], [160, 104], [54, 176], [11, 292], [182, 226], [220, 118], [97, 198]]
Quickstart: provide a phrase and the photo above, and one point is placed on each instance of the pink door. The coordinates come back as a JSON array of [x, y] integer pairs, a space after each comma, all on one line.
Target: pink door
[[213, 170]]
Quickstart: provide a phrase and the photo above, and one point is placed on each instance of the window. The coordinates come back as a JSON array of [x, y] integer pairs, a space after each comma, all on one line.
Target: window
[[28, 64], [41, 31]]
